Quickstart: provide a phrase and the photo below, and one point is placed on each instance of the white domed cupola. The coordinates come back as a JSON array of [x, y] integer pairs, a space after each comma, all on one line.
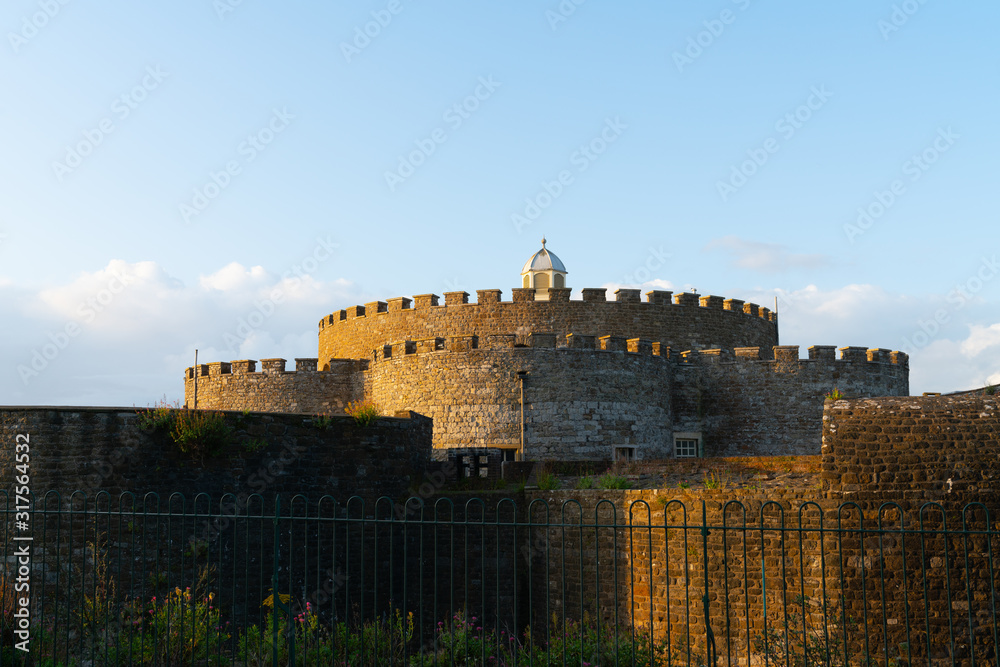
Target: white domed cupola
[[543, 271]]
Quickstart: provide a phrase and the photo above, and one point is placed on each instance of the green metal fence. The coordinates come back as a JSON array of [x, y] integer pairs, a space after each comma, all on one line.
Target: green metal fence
[[490, 581]]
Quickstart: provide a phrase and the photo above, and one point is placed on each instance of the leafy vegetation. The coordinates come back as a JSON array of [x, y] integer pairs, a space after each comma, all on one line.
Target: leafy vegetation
[[364, 412], [610, 480], [548, 482], [200, 432]]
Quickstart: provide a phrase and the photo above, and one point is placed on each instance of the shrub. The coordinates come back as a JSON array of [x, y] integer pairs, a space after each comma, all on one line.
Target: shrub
[[322, 422], [364, 412], [835, 395], [181, 628], [159, 416], [383, 640], [613, 481], [199, 432], [585, 482], [569, 643]]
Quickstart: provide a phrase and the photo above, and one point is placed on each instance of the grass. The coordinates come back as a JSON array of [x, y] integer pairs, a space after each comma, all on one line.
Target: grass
[[548, 482]]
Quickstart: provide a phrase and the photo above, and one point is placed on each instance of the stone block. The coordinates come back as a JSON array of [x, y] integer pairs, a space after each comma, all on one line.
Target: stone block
[[272, 365], [305, 364], [735, 305], [425, 300], [628, 296], [712, 302], [488, 296], [613, 343], [523, 294], [580, 341], [786, 353], [659, 297], [823, 352], [244, 366], [456, 298], [399, 303], [640, 346], [559, 294]]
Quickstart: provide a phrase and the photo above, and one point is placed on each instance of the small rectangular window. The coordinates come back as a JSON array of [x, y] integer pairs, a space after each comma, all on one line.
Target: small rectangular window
[[625, 454], [685, 448]]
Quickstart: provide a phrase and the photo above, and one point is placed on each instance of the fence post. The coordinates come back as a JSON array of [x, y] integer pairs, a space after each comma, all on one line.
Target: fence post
[[709, 635], [276, 601]]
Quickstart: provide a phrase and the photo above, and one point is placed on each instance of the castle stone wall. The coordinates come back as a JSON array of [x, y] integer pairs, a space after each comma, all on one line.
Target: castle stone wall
[[748, 406], [237, 385], [579, 402], [917, 447], [691, 323]]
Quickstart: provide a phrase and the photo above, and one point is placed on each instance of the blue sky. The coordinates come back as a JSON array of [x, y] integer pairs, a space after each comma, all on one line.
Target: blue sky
[[169, 168]]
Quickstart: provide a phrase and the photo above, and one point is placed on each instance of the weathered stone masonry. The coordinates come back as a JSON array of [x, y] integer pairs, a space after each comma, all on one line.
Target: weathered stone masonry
[[599, 375]]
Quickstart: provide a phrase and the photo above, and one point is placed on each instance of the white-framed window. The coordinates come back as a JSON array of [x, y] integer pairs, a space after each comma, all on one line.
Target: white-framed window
[[687, 445], [624, 454]]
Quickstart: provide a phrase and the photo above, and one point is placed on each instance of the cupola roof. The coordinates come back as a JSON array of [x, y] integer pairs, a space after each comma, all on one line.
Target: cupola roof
[[543, 260]]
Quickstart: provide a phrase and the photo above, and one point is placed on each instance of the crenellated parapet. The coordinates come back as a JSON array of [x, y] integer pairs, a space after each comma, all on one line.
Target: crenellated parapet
[[309, 388], [533, 340], [785, 354], [491, 297], [681, 321]]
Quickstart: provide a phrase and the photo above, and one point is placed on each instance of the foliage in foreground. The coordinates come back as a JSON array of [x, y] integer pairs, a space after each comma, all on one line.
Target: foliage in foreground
[[364, 412]]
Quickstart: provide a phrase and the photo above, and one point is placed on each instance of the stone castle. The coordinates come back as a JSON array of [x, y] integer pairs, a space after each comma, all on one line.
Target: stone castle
[[543, 376]]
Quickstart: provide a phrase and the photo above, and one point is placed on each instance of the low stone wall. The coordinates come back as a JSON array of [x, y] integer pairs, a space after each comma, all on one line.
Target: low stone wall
[[105, 449]]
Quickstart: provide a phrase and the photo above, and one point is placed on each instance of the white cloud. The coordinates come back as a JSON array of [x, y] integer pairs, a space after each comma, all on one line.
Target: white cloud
[[123, 334], [954, 356], [980, 339], [765, 257], [234, 276]]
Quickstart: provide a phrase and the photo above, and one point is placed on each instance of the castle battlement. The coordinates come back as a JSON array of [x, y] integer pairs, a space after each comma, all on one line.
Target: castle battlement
[[248, 367], [533, 340], [790, 354], [519, 295]]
